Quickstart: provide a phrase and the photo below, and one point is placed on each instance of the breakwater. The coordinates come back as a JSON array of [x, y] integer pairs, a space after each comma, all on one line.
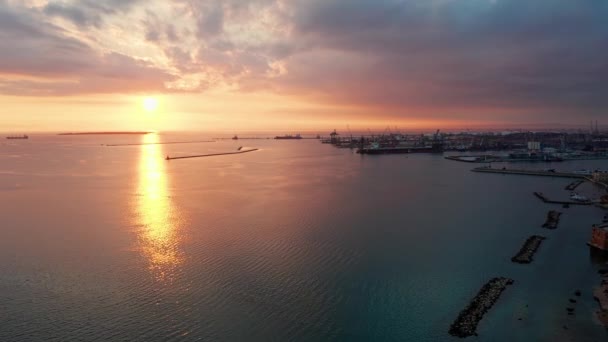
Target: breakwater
[[161, 143], [552, 219], [211, 154], [527, 251], [528, 172], [468, 319]]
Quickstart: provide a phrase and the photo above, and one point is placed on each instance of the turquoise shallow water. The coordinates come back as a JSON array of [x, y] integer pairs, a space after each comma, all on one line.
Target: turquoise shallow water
[[296, 242]]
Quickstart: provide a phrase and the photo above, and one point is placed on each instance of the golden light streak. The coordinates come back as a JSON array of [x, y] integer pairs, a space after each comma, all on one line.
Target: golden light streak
[[158, 218]]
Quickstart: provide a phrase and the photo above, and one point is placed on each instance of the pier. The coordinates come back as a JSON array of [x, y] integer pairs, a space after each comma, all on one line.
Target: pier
[[468, 319], [552, 219], [572, 186], [161, 143], [544, 198], [528, 172], [211, 154], [527, 251]]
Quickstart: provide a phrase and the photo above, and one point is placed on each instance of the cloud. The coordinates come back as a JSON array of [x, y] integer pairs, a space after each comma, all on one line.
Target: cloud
[[87, 12], [390, 55], [40, 59]]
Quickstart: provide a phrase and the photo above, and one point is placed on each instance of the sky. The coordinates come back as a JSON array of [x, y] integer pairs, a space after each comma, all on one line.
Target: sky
[[296, 65]]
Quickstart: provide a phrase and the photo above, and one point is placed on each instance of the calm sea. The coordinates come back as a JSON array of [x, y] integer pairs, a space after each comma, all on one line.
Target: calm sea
[[299, 241]]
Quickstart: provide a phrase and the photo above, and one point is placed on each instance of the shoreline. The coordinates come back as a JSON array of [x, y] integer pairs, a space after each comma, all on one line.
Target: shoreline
[[600, 294]]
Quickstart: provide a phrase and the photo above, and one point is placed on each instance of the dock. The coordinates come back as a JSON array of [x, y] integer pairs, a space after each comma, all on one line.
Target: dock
[[211, 154], [468, 319], [529, 172], [544, 198], [527, 251]]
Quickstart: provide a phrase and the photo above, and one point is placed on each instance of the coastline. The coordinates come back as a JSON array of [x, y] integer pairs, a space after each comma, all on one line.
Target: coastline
[[600, 293]]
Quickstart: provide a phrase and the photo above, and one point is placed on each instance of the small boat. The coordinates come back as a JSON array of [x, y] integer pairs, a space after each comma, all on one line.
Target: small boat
[[235, 138], [579, 198], [289, 137]]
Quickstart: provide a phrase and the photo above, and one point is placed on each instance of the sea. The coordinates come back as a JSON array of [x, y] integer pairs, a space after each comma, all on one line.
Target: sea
[[298, 241]]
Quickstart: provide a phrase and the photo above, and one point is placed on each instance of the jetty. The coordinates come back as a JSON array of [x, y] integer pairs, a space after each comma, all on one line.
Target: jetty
[[108, 133], [468, 319], [545, 199], [528, 172], [527, 251], [552, 219], [162, 143], [212, 154]]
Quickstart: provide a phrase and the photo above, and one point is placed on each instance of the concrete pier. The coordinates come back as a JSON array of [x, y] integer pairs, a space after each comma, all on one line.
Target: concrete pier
[[527, 251], [528, 172], [211, 155], [468, 319], [544, 198]]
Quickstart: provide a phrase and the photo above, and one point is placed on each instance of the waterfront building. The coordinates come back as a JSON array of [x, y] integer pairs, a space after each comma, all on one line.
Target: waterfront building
[[599, 237], [600, 177], [534, 145]]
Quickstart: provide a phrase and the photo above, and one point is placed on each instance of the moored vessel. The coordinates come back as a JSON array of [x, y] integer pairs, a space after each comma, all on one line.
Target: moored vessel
[[11, 137]]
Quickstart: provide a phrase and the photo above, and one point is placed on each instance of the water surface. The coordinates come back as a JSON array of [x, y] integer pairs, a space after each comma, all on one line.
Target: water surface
[[296, 242]]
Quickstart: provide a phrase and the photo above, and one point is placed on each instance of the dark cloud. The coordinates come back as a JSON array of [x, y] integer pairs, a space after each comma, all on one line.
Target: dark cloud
[[88, 12], [477, 53]]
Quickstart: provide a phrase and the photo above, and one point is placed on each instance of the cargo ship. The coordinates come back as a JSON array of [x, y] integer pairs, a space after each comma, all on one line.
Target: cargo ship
[[289, 137], [375, 148], [17, 137]]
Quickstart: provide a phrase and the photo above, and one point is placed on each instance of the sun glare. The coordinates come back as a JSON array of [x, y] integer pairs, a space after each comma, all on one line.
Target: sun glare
[[150, 104]]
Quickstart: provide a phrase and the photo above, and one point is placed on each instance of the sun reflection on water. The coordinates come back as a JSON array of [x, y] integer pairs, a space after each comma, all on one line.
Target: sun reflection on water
[[157, 217]]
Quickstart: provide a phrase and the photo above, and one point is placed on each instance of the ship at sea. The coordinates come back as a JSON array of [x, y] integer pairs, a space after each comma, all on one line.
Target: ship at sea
[[288, 137], [376, 148], [11, 137]]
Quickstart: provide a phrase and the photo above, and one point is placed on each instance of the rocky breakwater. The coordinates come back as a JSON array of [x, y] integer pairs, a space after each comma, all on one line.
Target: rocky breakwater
[[466, 323], [527, 251], [552, 219], [600, 293]]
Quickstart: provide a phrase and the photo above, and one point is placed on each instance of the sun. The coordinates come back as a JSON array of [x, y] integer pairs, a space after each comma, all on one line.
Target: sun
[[150, 104]]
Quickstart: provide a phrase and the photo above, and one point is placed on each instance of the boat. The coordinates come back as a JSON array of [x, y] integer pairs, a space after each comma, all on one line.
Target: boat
[[375, 148], [288, 137], [11, 137], [583, 172], [579, 198], [235, 137]]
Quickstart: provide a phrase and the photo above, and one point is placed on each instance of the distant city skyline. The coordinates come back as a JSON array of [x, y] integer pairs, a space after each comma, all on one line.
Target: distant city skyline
[[295, 65]]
